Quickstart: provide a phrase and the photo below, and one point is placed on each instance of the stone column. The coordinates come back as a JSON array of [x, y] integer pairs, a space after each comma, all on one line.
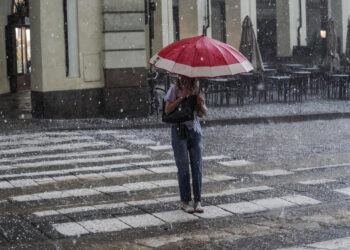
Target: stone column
[[202, 6], [54, 95], [125, 58], [5, 10], [188, 18], [287, 26], [336, 12], [163, 25], [248, 8], [233, 22], [345, 17], [73, 46]]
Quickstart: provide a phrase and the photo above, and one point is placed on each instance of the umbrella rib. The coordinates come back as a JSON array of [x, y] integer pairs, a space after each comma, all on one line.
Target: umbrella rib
[[210, 63], [237, 56], [180, 54], [194, 57], [239, 59], [220, 47]]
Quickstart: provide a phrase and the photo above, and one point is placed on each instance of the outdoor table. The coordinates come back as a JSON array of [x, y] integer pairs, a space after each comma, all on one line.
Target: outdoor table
[[337, 86], [247, 82], [216, 89], [280, 83], [305, 80], [311, 69], [289, 67], [270, 72], [293, 65], [315, 79], [304, 73]]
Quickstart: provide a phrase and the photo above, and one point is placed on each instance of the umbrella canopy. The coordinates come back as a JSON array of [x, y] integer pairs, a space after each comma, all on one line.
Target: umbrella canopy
[[249, 45], [331, 62], [347, 51], [201, 56]]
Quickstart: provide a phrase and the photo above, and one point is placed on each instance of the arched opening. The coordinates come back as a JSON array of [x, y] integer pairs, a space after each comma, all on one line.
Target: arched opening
[[15, 61], [18, 52]]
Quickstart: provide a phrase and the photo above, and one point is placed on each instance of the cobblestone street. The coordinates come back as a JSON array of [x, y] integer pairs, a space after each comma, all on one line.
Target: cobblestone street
[[271, 186]]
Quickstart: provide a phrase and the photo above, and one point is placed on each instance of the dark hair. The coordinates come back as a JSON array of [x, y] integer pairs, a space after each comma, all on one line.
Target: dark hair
[[186, 82]]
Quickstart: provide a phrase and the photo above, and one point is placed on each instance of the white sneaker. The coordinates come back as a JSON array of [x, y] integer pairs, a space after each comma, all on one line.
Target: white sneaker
[[198, 207], [187, 208]]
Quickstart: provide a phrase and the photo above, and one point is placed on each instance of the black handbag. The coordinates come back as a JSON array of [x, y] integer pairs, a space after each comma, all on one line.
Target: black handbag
[[184, 111]]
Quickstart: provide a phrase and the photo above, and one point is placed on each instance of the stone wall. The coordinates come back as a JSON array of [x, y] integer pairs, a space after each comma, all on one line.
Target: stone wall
[[125, 63], [49, 73]]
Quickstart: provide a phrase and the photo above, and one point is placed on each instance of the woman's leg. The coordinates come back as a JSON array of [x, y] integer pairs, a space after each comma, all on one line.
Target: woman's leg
[[195, 150], [182, 163]]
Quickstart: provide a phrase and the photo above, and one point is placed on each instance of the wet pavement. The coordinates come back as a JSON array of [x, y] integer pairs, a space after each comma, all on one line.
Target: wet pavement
[[15, 115], [16, 106], [265, 186]]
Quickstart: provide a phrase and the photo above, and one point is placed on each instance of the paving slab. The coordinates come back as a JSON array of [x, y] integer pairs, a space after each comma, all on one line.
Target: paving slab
[[273, 203], [70, 229], [243, 207], [142, 220], [235, 163], [211, 212], [105, 225], [175, 216]]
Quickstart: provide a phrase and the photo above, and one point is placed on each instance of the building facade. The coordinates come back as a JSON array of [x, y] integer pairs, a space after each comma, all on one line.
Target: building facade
[[88, 58]]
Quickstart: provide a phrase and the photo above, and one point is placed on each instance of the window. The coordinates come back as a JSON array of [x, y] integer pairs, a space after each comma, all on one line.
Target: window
[[70, 12], [23, 55], [218, 19], [176, 20], [65, 26], [267, 28], [20, 7]]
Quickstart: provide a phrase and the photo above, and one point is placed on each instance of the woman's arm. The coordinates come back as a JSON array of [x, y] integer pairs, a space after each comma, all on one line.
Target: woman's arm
[[201, 108], [171, 106]]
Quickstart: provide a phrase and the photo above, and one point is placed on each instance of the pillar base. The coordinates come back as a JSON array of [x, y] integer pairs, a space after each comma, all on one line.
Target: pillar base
[[71, 104], [126, 93], [126, 102]]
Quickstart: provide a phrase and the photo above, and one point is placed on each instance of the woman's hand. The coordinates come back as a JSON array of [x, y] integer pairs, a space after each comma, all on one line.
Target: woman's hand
[[185, 93], [200, 100], [201, 108]]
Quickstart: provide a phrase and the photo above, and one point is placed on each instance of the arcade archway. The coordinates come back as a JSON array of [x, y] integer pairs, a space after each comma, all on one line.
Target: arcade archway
[[18, 47]]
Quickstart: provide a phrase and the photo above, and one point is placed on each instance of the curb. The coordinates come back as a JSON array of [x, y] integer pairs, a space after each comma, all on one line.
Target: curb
[[278, 119], [64, 125]]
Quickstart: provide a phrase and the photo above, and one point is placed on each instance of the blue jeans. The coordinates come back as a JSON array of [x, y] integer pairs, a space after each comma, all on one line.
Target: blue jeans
[[188, 152]]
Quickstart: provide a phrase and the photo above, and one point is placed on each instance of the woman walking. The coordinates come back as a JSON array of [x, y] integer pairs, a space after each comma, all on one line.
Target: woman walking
[[186, 139]]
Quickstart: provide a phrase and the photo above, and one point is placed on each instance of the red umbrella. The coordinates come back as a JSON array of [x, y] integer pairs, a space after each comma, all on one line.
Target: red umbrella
[[201, 56]]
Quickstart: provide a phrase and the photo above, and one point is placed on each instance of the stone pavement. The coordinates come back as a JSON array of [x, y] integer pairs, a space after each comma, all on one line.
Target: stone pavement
[[117, 189]]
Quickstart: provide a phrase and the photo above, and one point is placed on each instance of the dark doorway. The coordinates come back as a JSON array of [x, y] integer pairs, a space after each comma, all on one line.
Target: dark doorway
[[176, 21], [218, 20], [267, 29], [18, 46]]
